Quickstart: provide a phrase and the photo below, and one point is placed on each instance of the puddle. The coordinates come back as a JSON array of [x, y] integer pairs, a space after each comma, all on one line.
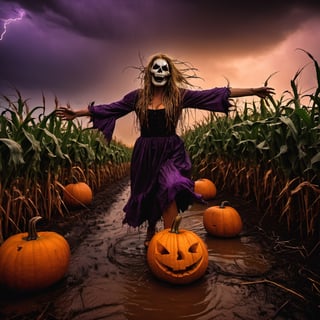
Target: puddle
[[109, 278]]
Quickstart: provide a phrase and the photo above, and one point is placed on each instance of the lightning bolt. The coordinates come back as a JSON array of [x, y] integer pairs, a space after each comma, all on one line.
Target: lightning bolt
[[10, 20]]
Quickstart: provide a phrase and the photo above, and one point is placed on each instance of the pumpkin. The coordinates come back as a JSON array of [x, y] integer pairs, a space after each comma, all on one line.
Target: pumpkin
[[33, 261], [77, 194], [177, 256], [206, 188], [222, 221]]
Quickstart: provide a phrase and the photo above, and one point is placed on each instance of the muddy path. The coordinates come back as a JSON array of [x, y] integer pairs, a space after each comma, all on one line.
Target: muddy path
[[255, 276]]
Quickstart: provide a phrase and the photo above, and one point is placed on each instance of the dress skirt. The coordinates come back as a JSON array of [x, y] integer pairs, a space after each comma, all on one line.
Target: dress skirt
[[160, 174]]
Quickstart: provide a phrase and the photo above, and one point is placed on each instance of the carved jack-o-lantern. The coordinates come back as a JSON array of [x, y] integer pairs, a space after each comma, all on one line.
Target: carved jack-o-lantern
[[177, 256]]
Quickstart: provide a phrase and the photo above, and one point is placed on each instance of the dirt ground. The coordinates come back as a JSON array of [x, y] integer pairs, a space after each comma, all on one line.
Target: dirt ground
[[288, 273]]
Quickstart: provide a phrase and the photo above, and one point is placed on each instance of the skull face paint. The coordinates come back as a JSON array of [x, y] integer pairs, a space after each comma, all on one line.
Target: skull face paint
[[160, 72]]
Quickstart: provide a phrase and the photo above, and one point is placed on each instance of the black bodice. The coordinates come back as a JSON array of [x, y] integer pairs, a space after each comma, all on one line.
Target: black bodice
[[157, 126]]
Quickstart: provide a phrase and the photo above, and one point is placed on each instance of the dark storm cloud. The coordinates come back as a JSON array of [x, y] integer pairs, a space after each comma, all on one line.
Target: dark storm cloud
[[176, 20], [65, 44]]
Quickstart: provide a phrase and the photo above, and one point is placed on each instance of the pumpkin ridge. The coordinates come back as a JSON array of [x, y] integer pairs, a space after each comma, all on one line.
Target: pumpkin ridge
[[222, 221], [33, 264]]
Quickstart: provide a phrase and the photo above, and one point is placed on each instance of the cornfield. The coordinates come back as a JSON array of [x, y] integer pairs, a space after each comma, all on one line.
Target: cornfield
[[268, 152], [40, 154]]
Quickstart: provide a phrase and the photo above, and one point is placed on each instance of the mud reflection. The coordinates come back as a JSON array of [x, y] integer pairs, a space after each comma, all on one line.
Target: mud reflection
[[238, 256]]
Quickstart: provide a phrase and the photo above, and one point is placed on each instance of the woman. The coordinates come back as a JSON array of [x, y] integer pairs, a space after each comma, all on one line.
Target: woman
[[160, 168]]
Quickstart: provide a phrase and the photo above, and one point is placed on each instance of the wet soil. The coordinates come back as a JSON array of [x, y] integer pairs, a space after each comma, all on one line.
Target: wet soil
[[261, 274]]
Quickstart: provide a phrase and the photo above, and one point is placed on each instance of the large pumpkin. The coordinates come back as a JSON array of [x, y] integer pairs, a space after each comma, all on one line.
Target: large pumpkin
[[222, 221], [177, 256], [32, 261], [77, 194], [206, 188]]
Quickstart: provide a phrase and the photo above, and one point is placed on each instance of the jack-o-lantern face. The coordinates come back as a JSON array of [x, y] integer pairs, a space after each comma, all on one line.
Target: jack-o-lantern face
[[178, 257]]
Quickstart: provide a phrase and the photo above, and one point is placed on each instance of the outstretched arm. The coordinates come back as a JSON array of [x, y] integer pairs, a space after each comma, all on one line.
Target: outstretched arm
[[261, 92], [69, 114]]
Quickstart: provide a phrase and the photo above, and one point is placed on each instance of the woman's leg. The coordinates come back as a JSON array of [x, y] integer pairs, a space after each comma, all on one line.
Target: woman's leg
[[151, 230], [169, 215]]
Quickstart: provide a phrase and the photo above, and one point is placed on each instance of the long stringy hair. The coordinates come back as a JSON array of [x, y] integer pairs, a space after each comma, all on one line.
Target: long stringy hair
[[180, 73]]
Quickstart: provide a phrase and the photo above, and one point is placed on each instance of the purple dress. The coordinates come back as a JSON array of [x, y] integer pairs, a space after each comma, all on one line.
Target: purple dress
[[160, 165]]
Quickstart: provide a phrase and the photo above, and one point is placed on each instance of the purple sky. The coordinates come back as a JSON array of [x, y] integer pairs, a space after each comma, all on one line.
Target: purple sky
[[79, 50]]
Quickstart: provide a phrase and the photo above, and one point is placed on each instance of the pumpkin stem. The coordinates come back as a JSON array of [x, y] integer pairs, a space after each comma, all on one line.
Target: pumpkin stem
[[225, 204], [176, 224], [32, 232]]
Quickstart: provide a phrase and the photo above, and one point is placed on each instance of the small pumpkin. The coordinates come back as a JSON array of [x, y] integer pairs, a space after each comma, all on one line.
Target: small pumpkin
[[77, 194], [206, 188], [176, 255], [33, 261], [222, 221]]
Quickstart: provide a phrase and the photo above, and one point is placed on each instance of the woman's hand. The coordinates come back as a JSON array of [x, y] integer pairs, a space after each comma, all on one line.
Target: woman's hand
[[66, 113], [262, 92]]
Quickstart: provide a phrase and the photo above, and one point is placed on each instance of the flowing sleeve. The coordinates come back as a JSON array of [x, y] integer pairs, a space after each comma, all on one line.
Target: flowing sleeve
[[104, 116], [215, 99]]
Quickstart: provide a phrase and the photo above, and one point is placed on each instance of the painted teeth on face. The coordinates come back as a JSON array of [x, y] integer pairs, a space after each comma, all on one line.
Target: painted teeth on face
[[160, 72], [159, 79]]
